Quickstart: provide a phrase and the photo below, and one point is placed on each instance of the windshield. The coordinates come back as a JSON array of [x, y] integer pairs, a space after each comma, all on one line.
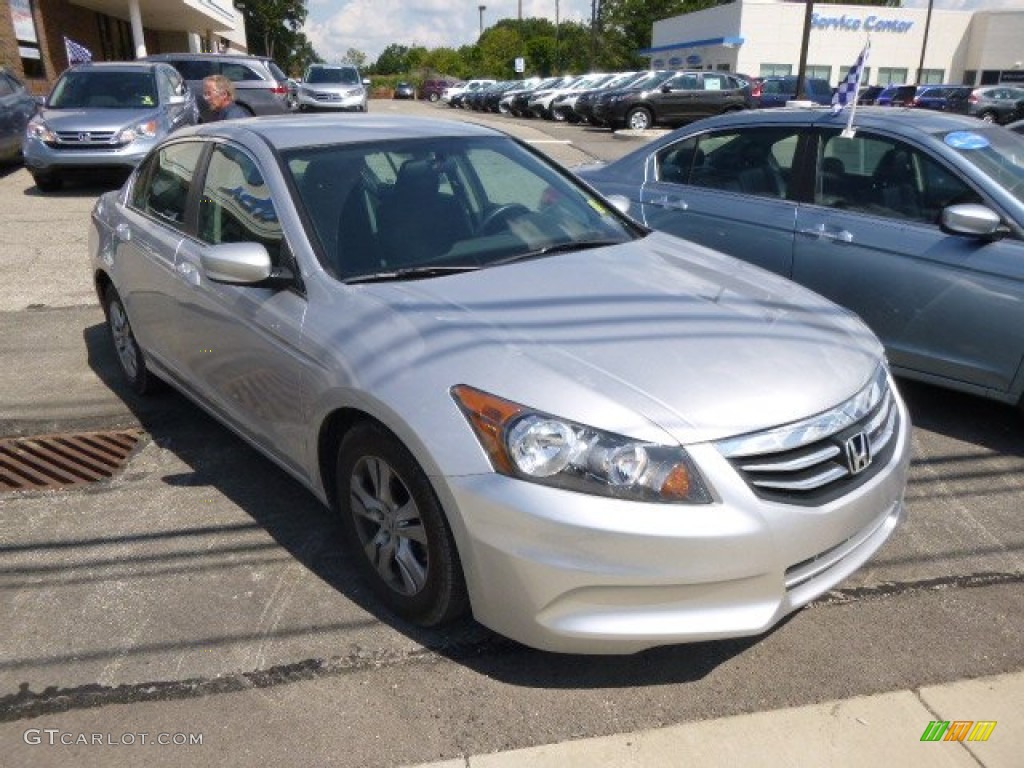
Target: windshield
[[342, 76], [428, 206], [995, 151], [652, 80], [106, 90]]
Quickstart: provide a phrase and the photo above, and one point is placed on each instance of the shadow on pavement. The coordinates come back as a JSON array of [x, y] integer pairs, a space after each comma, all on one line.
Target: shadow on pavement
[[310, 533]]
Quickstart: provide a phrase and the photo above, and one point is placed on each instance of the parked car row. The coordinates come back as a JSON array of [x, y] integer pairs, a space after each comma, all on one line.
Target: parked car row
[[637, 100], [992, 103]]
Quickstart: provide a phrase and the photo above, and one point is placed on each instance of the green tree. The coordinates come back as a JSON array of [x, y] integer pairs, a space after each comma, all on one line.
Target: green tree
[[626, 27], [271, 25], [355, 57], [393, 60]]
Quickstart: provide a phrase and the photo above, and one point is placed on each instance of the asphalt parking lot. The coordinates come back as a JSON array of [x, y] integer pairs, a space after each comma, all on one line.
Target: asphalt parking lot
[[203, 592]]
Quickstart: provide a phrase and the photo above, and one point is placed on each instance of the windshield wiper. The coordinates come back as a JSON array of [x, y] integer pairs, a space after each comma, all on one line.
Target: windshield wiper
[[410, 273], [547, 250]]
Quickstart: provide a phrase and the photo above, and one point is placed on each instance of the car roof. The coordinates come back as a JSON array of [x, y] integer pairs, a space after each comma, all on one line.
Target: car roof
[[118, 66], [903, 120], [292, 131], [204, 56]]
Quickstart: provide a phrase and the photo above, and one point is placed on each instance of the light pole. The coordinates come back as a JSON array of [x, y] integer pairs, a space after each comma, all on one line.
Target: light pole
[[556, 38], [482, 8]]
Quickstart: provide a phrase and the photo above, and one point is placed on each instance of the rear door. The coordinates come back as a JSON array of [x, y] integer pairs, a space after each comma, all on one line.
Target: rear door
[[730, 190], [148, 238]]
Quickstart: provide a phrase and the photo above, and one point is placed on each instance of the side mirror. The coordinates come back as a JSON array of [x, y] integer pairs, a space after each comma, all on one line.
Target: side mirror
[[366, 81], [666, 89], [176, 99], [973, 220], [237, 263]]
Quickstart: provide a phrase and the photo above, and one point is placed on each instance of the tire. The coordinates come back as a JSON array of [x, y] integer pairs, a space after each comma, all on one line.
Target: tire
[[129, 353], [396, 529], [988, 117], [434, 97], [47, 183], [639, 119]]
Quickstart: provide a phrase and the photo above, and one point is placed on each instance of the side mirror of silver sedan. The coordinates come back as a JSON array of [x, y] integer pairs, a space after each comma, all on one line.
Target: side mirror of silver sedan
[[973, 219], [237, 263]]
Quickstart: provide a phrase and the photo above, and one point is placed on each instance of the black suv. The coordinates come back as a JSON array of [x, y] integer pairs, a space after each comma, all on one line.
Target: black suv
[[261, 87], [683, 97], [775, 91]]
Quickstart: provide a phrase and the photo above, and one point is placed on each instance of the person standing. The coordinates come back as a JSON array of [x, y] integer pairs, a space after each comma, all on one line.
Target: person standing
[[219, 94]]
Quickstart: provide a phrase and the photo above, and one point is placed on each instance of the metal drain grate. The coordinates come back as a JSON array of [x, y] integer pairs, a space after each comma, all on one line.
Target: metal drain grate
[[58, 461]]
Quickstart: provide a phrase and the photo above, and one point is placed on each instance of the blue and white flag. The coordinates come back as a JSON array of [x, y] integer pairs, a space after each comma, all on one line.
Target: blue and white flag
[[77, 53], [846, 93]]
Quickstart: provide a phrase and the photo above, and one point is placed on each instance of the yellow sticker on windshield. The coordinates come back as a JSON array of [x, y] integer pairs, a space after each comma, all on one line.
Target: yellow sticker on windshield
[[598, 207], [147, 101]]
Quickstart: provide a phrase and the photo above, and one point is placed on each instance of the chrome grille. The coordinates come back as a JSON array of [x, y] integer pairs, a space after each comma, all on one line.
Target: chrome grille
[[824, 456], [86, 138]]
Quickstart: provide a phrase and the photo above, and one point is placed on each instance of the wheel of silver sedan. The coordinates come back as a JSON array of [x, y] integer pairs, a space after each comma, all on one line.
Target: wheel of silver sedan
[[129, 354], [397, 529]]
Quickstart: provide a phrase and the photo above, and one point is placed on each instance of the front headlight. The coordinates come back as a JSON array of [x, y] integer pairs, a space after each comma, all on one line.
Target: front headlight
[[38, 129], [541, 448], [146, 130]]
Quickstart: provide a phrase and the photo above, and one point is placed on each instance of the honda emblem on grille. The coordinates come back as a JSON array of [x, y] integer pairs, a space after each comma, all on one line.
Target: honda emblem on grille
[[85, 136], [858, 453]]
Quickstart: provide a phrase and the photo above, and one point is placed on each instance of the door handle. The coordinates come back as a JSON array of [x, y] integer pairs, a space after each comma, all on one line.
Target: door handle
[[835, 234], [669, 201], [188, 272]]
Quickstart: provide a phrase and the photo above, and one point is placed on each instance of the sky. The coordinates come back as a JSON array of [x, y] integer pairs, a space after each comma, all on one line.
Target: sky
[[370, 26], [335, 26]]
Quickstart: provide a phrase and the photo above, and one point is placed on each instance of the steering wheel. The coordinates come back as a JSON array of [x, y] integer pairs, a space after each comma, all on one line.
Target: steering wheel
[[501, 214]]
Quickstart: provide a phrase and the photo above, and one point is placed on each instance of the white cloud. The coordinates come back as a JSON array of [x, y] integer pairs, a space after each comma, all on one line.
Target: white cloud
[[370, 26]]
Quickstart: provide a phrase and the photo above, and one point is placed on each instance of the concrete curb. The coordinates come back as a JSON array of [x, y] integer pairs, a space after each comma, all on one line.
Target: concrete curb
[[884, 729]]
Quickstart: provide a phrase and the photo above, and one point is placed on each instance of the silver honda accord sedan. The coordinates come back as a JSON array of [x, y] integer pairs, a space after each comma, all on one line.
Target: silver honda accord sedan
[[594, 437]]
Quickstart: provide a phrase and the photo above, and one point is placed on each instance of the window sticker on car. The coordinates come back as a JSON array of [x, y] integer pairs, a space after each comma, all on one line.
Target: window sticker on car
[[966, 140]]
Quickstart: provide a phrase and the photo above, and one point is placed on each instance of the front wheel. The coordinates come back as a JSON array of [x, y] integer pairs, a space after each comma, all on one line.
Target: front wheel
[[434, 97], [988, 117], [639, 119], [397, 530]]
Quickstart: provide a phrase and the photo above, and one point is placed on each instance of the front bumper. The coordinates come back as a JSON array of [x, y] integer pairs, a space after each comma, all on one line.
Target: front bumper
[[42, 158], [568, 572], [352, 102]]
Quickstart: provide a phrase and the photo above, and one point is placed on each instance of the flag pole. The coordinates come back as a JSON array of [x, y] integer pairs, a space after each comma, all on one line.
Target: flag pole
[[848, 132]]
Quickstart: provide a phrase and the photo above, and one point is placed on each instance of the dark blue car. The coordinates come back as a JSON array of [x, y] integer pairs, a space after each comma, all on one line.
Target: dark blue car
[[17, 106]]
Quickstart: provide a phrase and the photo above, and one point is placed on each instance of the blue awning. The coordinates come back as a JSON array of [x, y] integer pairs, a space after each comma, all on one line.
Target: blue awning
[[728, 42]]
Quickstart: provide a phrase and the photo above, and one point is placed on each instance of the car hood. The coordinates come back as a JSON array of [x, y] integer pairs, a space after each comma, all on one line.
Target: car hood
[[97, 120], [653, 332]]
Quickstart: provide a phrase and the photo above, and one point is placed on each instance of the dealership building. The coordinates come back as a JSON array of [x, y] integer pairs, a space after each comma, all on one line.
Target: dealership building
[[33, 33], [764, 37]]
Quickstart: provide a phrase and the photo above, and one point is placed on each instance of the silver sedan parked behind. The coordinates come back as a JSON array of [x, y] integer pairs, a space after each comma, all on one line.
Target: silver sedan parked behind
[[915, 222], [594, 437]]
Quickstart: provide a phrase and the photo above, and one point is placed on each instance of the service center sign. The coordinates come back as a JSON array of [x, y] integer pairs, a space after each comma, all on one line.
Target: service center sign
[[853, 24]]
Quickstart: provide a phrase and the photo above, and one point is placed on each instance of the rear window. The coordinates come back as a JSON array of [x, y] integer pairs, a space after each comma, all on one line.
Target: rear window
[[238, 73], [276, 71], [195, 70]]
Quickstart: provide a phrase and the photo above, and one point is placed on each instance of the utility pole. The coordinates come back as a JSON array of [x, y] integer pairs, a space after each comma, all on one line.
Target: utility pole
[[482, 8], [924, 43]]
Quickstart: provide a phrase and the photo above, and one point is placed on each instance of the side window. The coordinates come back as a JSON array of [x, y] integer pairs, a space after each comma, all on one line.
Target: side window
[[164, 85], [195, 70], [753, 162], [162, 186], [885, 177], [235, 206], [237, 73]]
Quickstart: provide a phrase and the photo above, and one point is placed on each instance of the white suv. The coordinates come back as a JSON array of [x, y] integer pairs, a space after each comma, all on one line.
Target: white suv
[[334, 87]]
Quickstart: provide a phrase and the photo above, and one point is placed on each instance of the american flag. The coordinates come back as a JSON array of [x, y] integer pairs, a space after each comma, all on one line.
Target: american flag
[[846, 93], [77, 53]]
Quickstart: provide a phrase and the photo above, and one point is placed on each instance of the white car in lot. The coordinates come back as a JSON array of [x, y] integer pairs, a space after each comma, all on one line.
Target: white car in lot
[[451, 94], [332, 87]]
